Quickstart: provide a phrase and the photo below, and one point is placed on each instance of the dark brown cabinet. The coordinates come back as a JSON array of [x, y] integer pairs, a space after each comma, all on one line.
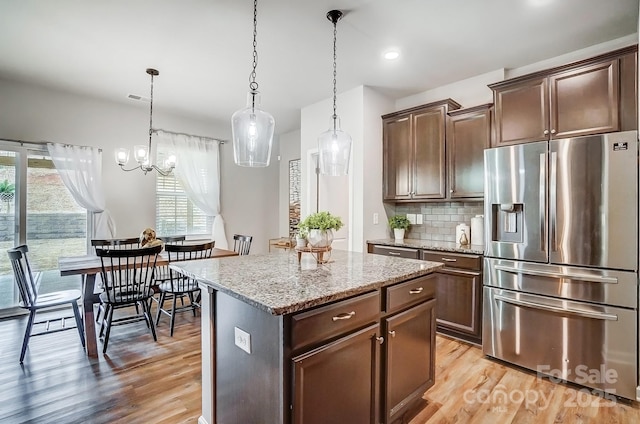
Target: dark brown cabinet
[[588, 97], [409, 356], [414, 152], [343, 354], [468, 134], [343, 372], [459, 294]]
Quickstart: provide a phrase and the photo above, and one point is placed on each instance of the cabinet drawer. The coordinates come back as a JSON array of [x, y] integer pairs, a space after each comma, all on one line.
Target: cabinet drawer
[[410, 292], [400, 252], [327, 322], [454, 260]]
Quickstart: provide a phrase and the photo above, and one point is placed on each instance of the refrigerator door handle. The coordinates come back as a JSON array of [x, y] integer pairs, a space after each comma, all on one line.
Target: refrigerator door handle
[[542, 201], [553, 192], [545, 307], [539, 273]]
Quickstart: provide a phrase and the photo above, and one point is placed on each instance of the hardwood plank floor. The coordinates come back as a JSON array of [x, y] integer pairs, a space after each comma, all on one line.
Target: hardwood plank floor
[[139, 381]]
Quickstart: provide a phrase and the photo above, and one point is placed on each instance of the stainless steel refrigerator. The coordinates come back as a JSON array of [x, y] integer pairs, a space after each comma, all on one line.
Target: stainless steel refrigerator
[[561, 259]]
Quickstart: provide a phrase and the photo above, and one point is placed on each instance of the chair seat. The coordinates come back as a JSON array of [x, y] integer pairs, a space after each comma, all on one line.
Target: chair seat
[[127, 296], [54, 299], [179, 287]]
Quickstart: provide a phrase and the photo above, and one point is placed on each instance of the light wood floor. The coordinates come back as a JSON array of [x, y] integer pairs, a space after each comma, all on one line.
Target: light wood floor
[[140, 381]]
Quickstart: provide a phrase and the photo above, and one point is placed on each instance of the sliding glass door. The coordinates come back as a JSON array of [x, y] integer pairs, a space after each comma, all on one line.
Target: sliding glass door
[[42, 214]]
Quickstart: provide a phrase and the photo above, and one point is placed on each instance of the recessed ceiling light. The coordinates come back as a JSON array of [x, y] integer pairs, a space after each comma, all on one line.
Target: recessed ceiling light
[[391, 54]]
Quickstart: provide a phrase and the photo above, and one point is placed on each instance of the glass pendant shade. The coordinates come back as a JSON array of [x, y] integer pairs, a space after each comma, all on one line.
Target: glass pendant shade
[[122, 156], [252, 132], [140, 153], [334, 148]]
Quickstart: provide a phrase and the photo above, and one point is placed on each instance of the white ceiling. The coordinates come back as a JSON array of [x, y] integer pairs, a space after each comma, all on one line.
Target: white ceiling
[[203, 48]]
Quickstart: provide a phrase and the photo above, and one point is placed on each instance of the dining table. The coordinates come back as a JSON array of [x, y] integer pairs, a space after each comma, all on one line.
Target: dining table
[[89, 266]]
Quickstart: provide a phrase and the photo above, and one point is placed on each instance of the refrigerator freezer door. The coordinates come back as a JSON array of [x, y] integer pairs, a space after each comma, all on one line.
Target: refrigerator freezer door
[[593, 201], [515, 202]]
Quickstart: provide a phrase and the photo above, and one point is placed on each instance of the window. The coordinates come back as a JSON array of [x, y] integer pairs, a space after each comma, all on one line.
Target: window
[[175, 213]]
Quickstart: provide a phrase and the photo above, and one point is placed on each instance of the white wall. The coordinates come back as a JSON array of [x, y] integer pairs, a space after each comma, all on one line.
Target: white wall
[[289, 150], [31, 113]]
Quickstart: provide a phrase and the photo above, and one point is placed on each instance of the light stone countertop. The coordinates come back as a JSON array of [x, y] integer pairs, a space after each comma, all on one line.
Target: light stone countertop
[[445, 246], [278, 284]]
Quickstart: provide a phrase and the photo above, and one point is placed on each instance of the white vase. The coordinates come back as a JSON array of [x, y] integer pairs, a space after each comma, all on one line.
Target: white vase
[[320, 238], [398, 234], [301, 242]]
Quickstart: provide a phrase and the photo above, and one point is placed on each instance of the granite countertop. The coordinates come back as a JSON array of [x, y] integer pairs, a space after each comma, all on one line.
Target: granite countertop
[[445, 246], [278, 284]]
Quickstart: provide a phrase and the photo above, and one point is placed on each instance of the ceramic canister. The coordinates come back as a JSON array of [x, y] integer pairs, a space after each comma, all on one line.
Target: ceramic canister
[[459, 229]]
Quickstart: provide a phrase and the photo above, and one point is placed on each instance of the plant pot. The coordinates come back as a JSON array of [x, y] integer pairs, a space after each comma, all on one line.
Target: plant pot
[[398, 234], [6, 196], [320, 238], [301, 243]]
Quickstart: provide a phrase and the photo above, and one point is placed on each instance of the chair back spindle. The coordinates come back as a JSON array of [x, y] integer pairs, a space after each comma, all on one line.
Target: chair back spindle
[[242, 244]]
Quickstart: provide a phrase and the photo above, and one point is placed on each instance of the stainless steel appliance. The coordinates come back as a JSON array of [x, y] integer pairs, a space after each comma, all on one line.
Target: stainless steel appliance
[[561, 259]]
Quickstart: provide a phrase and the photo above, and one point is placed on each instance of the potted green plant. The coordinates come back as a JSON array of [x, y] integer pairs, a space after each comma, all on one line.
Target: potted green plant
[[301, 237], [399, 224], [320, 226], [7, 191]]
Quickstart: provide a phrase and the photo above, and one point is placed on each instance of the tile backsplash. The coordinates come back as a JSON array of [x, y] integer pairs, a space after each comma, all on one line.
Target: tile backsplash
[[439, 220]]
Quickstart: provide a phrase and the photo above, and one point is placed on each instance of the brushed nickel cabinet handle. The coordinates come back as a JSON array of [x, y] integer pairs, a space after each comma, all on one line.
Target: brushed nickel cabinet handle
[[416, 291], [392, 333], [394, 253], [380, 339], [343, 316], [448, 260]]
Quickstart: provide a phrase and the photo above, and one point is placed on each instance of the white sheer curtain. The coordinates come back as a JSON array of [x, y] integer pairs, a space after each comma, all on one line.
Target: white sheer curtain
[[198, 170], [81, 171]]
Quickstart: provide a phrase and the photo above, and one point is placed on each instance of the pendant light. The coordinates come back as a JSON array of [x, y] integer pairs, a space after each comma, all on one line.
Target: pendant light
[[334, 145], [142, 153], [252, 128]]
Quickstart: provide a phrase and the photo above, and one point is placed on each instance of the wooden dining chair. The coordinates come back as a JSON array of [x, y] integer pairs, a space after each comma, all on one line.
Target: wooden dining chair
[[242, 244], [113, 243], [32, 301], [127, 275], [180, 286], [178, 239]]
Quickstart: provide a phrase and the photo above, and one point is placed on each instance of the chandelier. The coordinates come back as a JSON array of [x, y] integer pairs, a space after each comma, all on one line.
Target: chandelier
[[252, 128], [334, 145], [142, 153]]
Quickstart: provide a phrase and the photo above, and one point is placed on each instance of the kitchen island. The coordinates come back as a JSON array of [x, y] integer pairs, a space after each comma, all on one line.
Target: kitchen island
[[351, 340]]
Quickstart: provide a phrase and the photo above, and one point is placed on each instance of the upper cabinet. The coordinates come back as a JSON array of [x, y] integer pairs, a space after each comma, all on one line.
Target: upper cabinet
[[588, 97], [468, 134], [414, 166]]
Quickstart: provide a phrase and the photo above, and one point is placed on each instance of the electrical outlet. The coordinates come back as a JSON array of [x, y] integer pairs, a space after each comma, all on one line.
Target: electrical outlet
[[419, 219], [375, 218], [412, 218], [243, 340]]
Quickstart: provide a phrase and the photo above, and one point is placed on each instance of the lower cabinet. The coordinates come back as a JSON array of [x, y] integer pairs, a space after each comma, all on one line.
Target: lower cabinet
[[459, 294], [340, 373], [409, 355], [368, 366]]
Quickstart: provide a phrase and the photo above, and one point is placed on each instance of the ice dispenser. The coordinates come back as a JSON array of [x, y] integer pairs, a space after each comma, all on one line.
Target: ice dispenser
[[506, 222]]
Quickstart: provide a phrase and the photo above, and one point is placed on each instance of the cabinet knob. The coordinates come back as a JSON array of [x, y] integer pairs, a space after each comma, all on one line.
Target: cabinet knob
[[451, 191], [380, 339], [546, 132], [553, 131], [343, 316], [392, 333]]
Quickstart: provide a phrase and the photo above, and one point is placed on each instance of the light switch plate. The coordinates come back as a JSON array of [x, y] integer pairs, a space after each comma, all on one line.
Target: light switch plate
[[243, 340], [419, 219], [412, 218]]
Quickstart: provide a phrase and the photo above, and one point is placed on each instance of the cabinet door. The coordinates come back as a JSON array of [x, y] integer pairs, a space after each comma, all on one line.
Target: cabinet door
[[468, 135], [522, 112], [410, 357], [585, 100], [398, 156], [429, 137], [459, 295], [338, 382]]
